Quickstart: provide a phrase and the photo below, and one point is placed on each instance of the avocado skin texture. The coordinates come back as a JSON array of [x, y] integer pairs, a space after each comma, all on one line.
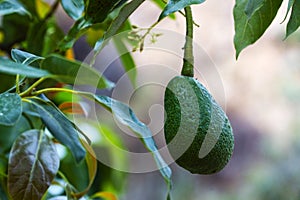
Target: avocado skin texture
[[197, 131]]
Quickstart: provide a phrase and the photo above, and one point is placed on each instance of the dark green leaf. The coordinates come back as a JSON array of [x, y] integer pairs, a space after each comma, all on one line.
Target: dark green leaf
[[9, 67], [24, 57], [74, 72], [97, 10], [10, 109], [60, 127], [7, 82], [11, 6], [126, 59], [35, 37], [78, 29], [124, 114], [290, 4], [74, 8], [117, 23], [294, 21], [249, 30], [33, 164], [176, 5], [252, 6], [14, 28]]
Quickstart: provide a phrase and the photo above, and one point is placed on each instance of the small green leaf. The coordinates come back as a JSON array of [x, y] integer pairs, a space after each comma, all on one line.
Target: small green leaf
[[176, 5], [33, 164], [11, 6], [10, 109], [290, 4], [126, 59], [97, 10], [249, 30], [12, 68], [60, 126], [73, 8], [126, 116], [252, 6], [24, 57], [73, 72], [294, 21]]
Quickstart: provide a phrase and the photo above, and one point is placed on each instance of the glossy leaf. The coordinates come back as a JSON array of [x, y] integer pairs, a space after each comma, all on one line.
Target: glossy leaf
[[11, 6], [12, 68], [249, 30], [24, 57], [125, 115], [252, 6], [290, 4], [10, 109], [176, 5], [74, 8], [97, 10], [60, 127], [294, 21], [33, 164], [117, 23], [74, 72]]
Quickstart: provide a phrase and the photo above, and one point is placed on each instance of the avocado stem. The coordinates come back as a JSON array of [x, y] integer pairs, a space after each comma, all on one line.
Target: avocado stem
[[188, 59]]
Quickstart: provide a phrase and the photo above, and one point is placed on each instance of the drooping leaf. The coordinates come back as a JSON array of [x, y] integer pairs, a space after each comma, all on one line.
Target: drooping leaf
[[24, 57], [117, 23], [11, 6], [97, 10], [10, 108], [290, 4], [126, 59], [176, 5], [294, 21], [73, 8], [33, 164], [161, 5], [91, 163], [249, 30], [73, 72], [60, 127], [252, 6], [12, 68], [125, 115]]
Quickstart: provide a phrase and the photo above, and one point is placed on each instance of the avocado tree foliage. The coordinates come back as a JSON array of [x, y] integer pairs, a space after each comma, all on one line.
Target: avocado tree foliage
[[37, 71]]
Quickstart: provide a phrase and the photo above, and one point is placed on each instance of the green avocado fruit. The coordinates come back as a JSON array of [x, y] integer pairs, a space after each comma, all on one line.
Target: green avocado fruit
[[197, 131]]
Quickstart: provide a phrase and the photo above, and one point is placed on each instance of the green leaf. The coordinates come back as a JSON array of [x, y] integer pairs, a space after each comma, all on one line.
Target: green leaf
[[12, 68], [290, 4], [249, 30], [60, 126], [97, 10], [126, 59], [36, 36], [11, 6], [294, 21], [162, 4], [73, 8], [14, 28], [33, 164], [24, 57], [10, 109], [252, 6], [176, 5], [73, 72], [117, 23], [124, 114]]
